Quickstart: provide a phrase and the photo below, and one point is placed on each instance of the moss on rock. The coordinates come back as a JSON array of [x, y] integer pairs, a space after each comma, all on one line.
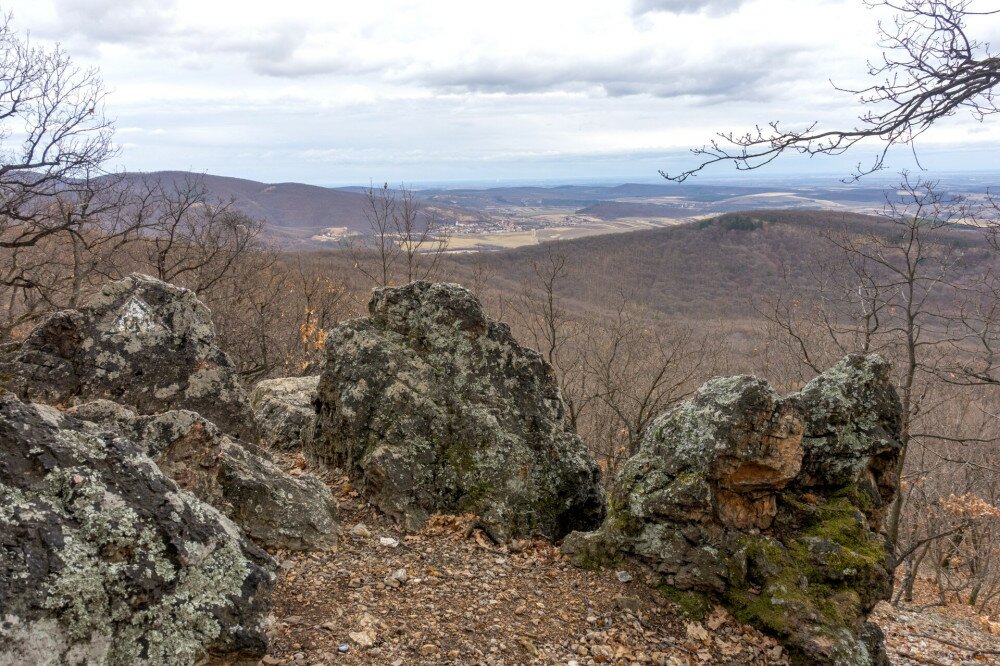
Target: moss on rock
[[769, 505]]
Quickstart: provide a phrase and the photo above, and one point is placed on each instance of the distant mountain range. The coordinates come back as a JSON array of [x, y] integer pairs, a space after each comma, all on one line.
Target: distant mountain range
[[299, 215]]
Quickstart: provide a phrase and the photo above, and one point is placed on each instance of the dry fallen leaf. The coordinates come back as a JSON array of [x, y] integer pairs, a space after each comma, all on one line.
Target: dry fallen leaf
[[697, 632]]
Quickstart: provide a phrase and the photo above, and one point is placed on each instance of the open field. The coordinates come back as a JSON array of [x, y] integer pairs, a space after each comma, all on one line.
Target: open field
[[483, 241]]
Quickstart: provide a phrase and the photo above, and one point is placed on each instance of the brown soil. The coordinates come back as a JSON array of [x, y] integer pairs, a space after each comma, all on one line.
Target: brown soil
[[466, 600]]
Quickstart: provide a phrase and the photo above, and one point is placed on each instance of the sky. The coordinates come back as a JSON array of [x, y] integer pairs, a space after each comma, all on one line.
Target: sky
[[437, 91]]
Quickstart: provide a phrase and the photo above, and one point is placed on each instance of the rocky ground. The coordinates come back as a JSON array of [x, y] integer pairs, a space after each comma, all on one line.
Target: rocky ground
[[448, 595], [924, 633]]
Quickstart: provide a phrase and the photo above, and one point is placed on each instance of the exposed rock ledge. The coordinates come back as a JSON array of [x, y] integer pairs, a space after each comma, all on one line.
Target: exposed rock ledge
[[284, 409], [139, 342], [275, 509], [770, 505]]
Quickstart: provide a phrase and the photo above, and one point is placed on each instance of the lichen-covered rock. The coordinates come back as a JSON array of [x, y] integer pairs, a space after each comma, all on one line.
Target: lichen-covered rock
[[275, 509], [104, 560], [284, 409], [852, 417], [770, 505], [139, 342], [433, 407]]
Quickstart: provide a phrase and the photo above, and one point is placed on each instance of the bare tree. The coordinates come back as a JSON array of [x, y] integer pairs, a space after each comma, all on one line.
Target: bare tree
[[636, 369], [376, 257], [54, 137], [931, 68], [552, 330], [190, 238], [399, 232], [422, 240], [57, 206]]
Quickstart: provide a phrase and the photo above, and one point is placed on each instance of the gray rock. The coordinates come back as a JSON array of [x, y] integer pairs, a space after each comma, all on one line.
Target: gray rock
[[432, 407], [770, 505], [139, 342], [104, 560], [360, 531], [852, 418], [284, 409], [275, 509]]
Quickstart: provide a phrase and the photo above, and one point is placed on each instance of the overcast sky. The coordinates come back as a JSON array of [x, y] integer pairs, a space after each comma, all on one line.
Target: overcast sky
[[337, 91]]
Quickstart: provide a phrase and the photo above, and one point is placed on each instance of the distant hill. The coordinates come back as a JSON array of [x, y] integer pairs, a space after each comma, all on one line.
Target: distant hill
[[703, 270], [294, 212]]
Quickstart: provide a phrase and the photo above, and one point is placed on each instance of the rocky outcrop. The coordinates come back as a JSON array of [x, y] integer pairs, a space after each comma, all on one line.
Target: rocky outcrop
[[284, 409], [433, 407], [104, 560], [772, 505], [275, 509], [139, 342]]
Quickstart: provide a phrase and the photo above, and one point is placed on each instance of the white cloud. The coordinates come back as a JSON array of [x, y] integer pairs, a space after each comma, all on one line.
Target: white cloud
[[304, 89], [717, 7]]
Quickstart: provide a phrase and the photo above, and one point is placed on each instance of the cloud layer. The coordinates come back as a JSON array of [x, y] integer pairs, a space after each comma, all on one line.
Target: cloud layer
[[717, 7], [320, 91]]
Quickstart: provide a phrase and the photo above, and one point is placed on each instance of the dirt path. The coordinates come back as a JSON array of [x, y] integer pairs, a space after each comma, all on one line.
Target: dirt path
[[439, 597], [447, 595]]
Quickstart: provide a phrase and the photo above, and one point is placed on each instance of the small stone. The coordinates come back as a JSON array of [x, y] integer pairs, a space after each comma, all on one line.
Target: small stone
[[364, 639], [360, 531], [388, 542], [624, 577], [400, 575], [343, 648]]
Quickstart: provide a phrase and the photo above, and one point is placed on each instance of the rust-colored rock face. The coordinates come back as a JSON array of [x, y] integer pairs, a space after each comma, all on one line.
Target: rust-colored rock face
[[770, 504]]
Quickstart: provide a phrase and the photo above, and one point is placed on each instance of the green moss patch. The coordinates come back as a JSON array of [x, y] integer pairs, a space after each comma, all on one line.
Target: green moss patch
[[694, 605]]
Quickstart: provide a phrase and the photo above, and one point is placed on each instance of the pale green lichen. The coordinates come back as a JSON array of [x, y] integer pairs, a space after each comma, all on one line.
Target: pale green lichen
[[110, 558], [99, 559]]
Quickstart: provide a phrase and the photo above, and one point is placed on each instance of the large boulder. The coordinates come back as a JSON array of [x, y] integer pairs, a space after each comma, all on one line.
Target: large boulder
[[771, 505], [139, 342], [104, 560], [433, 407], [284, 409], [275, 509]]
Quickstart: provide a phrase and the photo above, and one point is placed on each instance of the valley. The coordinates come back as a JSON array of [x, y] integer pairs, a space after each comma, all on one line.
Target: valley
[[299, 216]]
